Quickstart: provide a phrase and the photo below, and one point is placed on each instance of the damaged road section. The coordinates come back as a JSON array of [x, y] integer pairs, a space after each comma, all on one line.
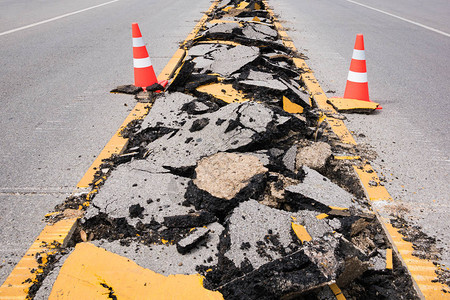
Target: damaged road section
[[232, 176]]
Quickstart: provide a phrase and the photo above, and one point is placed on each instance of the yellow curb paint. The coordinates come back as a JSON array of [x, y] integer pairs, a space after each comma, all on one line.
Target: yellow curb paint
[[291, 107], [389, 261], [219, 42], [24, 275], [347, 157], [352, 105], [337, 291], [338, 208], [321, 216], [256, 19], [224, 92], [216, 21], [422, 270], [242, 5], [371, 183], [301, 233], [94, 273]]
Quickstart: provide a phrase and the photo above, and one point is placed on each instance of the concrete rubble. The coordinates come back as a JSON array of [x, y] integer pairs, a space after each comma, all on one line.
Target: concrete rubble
[[216, 187]]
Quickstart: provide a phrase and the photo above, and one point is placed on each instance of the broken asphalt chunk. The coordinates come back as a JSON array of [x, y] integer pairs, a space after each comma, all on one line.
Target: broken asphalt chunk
[[317, 189], [192, 240], [195, 219]]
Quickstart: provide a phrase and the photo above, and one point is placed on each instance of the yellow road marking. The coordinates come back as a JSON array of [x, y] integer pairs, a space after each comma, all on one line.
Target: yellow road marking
[[345, 157], [349, 105], [321, 216], [301, 233], [18, 283], [291, 107], [389, 261], [93, 273], [371, 183], [337, 291]]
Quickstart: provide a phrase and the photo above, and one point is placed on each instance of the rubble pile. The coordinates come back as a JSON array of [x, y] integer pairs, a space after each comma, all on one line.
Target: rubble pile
[[219, 180]]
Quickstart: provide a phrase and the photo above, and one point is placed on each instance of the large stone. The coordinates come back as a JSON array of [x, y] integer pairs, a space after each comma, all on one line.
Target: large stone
[[224, 175], [317, 188], [314, 156]]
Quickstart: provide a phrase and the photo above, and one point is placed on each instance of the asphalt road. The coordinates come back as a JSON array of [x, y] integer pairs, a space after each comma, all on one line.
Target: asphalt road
[[59, 61], [407, 45]]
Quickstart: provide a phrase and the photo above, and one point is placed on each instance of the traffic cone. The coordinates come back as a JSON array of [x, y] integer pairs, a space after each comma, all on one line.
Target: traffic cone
[[357, 85], [144, 74]]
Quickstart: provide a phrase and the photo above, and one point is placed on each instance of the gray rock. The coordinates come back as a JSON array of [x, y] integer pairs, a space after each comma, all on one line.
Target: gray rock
[[159, 194], [192, 240], [314, 156], [321, 189], [289, 158]]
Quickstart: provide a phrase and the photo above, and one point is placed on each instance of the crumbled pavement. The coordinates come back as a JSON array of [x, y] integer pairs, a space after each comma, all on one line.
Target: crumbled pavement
[[215, 187]]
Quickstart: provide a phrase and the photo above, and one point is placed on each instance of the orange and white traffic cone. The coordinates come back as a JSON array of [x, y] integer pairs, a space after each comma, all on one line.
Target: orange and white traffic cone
[[356, 95], [357, 85], [144, 74]]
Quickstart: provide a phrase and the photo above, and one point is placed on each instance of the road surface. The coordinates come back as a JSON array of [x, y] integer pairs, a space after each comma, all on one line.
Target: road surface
[[408, 69], [59, 61]]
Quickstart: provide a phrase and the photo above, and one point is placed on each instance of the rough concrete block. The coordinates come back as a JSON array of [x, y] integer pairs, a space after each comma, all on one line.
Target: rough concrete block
[[320, 189]]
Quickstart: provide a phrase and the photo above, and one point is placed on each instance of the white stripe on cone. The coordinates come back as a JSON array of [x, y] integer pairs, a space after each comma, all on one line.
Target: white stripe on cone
[[142, 62], [138, 42], [359, 54], [357, 77]]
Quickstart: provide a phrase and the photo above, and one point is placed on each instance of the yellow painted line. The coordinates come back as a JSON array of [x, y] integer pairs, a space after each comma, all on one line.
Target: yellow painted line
[[345, 157], [321, 216], [389, 261], [219, 42], [90, 272], [301, 233], [218, 21], [423, 283], [422, 270], [337, 291], [15, 286], [243, 5], [371, 183], [224, 92], [338, 208], [291, 107], [352, 105]]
